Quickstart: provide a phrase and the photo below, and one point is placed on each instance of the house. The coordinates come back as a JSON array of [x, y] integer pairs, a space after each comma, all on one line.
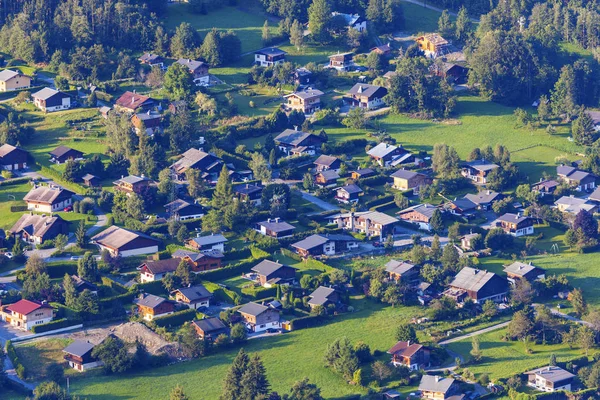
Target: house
[[199, 262], [13, 80], [573, 205], [270, 273], [259, 318], [291, 140], [354, 21], [401, 270], [329, 244], [463, 206], [302, 76], [269, 57], [545, 187], [407, 180], [13, 158], [323, 296], [275, 228], [478, 285], [595, 196], [208, 243], [366, 96], [384, 50], [182, 210], [433, 45], [151, 271], [325, 163], [515, 224], [125, 243], [419, 215], [104, 111], [207, 163], [151, 306], [79, 356], [153, 60], [24, 314], [550, 379], [198, 69], [91, 180], [62, 154], [341, 61], [82, 284], [412, 355], [371, 223], [48, 199], [193, 296], [148, 122], [209, 328], [348, 194], [466, 241], [519, 270], [132, 184], [249, 193], [437, 387], [362, 173], [307, 101], [50, 100], [484, 199], [131, 101], [36, 228], [452, 72], [576, 178], [478, 170], [327, 178], [385, 153]]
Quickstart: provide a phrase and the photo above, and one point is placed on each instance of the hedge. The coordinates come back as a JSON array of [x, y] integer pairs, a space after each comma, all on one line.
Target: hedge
[[15, 181], [307, 322], [258, 253], [116, 286], [176, 319], [384, 207], [374, 180], [18, 208], [155, 287], [237, 254], [57, 176], [259, 292], [222, 294], [124, 298], [58, 270], [12, 355], [64, 312], [229, 271], [52, 325], [380, 200]]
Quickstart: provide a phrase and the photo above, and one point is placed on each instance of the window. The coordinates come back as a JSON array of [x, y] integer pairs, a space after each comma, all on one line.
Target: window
[[262, 326]]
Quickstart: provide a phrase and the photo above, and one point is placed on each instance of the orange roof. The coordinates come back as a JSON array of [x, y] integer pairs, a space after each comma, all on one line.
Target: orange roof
[[131, 100], [405, 349]]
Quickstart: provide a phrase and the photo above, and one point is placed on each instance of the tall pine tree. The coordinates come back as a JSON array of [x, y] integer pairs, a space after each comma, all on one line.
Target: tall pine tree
[[232, 387], [223, 194]]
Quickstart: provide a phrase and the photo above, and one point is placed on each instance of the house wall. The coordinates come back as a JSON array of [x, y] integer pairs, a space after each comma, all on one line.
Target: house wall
[[142, 250], [15, 83], [37, 317]]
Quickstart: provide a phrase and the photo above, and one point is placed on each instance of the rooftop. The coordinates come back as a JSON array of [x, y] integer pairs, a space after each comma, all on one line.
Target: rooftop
[[79, 348], [209, 324], [552, 373], [381, 150], [326, 160], [210, 239], [194, 293], [46, 194], [364, 89], [267, 267], [276, 225], [115, 237], [162, 266], [320, 296], [435, 383], [519, 268], [26, 307], [471, 279], [253, 309], [149, 300]]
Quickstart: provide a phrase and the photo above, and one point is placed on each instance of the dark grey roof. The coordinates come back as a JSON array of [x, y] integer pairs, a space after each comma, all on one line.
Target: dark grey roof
[[423, 209], [365, 171], [116, 237], [150, 300], [46, 93], [132, 179], [46, 194], [267, 267], [464, 204], [35, 224], [271, 51], [330, 174], [307, 94], [398, 267], [565, 170], [481, 165], [276, 225], [513, 218], [88, 177], [248, 189], [365, 89], [595, 196], [252, 308], [552, 374], [351, 189], [325, 160], [195, 292], [79, 348], [162, 266], [62, 150], [471, 279], [191, 64], [483, 197], [195, 256], [210, 239], [404, 174], [210, 324], [579, 175], [435, 383], [311, 242], [320, 296], [519, 268], [292, 137]]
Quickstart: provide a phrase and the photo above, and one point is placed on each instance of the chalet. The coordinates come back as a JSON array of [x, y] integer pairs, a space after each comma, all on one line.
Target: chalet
[[208, 164], [452, 72], [466, 242], [329, 244], [484, 199], [362, 173], [325, 163], [200, 262], [249, 193], [151, 306], [437, 387], [193, 297], [545, 187], [79, 356], [323, 296], [241, 175], [354, 21], [401, 270], [433, 45], [385, 153], [151, 271], [269, 57], [371, 223], [302, 76], [182, 210], [25, 314], [550, 379], [259, 318], [132, 184], [36, 228], [366, 96], [412, 355], [410, 180], [131, 102], [307, 101], [49, 100], [48, 199], [62, 154], [341, 61], [348, 194], [573, 205], [153, 60], [209, 328], [477, 285], [478, 170], [13, 158], [462, 206], [13, 80], [82, 284], [104, 111], [595, 196], [269, 273], [91, 180], [384, 50], [290, 141], [515, 224], [148, 122], [198, 69], [125, 243], [519, 270], [208, 243], [327, 178], [275, 228], [576, 178], [419, 215]]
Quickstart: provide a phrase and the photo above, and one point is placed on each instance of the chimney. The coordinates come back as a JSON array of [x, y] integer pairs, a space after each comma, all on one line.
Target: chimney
[[132, 99], [489, 192], [437, 378], [295, 127], [277, 220], [142, 175], [408, 343]]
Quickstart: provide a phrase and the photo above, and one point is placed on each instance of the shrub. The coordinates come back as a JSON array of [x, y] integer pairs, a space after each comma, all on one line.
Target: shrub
[[50, 326], [176, 319]]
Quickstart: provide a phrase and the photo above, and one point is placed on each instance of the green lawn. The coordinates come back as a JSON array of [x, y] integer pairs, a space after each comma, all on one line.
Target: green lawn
[[265, 100], [37, 356], [418, 19], [11, 195]]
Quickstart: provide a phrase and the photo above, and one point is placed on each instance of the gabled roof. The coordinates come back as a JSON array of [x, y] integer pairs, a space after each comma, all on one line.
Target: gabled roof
[[579, 175], [248, 189], [320, 296], [350, 19], [46, 194], [88, 177], [179, 204], [162, 266], [271, 51], [26, 307], [35, 224], [364, 89], [267, 267], [307, 94], [472, 279], [311, 242], [131, 179], [293, 137], [519, 268], [351, 189], [276, 225], [595, 196], [435, 39], [208, 325], [329, 175], [115, 237], [132, 100], [464, 204], [194, 256], [574, 205], [382, 150], [364, 171], [565, 170], [78, 348], [210, 239], [439, 384], [424, 209], [62, 150], [191, 64], [195, 293], [483, 197], [551, 373], [405, 174], [253, 309], [46, 93], [406, 349], [513, 218], [481, 165], [326, 160], [7, 74], [398, 267], [6, 149], [374, 216], [150, 300]]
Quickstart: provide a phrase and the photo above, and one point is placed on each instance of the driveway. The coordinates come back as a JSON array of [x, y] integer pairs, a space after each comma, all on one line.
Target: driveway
[[476, 333], [318, 202], [7, 332]]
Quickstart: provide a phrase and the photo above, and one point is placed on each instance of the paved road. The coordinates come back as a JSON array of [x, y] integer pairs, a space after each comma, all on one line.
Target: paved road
[[7, 333], [318, 202], [476, 333]]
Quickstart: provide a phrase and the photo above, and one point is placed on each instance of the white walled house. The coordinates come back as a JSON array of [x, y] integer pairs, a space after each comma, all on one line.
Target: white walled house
[[48, 199], [125, 243]]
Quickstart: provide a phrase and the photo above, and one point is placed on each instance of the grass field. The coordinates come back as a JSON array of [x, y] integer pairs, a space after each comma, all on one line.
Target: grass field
[[418, 19], [36, 356], [11, 195]]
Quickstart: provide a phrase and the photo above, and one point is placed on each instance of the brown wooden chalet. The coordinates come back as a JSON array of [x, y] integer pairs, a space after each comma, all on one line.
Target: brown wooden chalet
[[199, 262], [401, 270], [576, 178], [194, 296], [275, 228], [292, 141], [209, 328], [414, 356], [327, 178], [478, 285], [198, 69], [208, 164], [329, 244], [478, 170], [341, 61], [384, 49], [515, 224], [130, 102], [433, 43], [323, 296], [258, 317], [151, 271], [148, 122], [519, 270], [437, 387], [348, 194], [273, 273], [132, 184], [366, 96], [151, 306], [12, 158], [125, 243], [384, 154], [325, 162], [362, 173], [79, 356], [62, 154], [91, 180], [307, 101], [36, 228]]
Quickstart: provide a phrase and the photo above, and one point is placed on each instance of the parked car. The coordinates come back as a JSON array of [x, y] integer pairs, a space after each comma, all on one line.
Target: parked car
[[377, 244], [68, 209], [8, 255], [75, 258]]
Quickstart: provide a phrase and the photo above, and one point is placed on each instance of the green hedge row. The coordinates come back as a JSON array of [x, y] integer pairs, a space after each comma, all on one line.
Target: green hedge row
[[374, 180], [124, 298], [176, 319], [384, 207], [50, 326], [12, 355], [380, 200], [259, 292], [58, 270], [307, 322], [229, 271], [57, 176], [15, 181], [155, 287], [18, 209]]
